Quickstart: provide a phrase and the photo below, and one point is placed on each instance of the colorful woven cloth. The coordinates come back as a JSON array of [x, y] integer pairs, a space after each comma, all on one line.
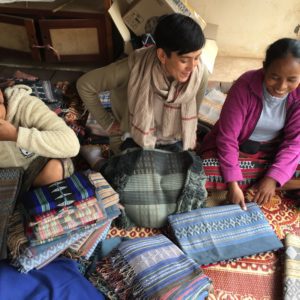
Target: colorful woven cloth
[[104, 191], [85, 212], [38, 256], [43, 89], [27, 257], [10, 182], [213, 234], [87, 247], [58, 194], [292, 267], [152, 268], [252, 169], [155, 183]]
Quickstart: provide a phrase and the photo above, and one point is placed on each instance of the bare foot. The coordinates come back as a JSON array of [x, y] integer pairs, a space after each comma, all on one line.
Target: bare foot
[[22, 75]]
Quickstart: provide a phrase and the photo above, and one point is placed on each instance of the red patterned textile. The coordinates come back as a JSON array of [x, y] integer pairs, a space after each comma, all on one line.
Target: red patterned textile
[[134, 232], [254, 278], [252, 168]]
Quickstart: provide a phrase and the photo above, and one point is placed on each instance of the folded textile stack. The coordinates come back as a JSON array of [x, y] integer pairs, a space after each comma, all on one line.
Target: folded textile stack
[[74, 212], [150, 268], [109, 199]]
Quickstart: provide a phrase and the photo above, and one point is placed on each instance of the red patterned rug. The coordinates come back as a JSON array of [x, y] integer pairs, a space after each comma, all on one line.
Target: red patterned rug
[[257, 277], [254, 278]]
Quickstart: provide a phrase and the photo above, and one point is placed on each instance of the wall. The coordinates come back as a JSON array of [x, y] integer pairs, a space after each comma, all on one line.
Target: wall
[[247, 27]]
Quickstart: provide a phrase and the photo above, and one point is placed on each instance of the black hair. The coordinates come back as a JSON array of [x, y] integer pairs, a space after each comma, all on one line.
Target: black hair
[[281, 49], [178, 33]]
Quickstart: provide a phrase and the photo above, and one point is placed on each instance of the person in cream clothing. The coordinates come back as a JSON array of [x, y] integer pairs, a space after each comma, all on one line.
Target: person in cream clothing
[[28, 130]]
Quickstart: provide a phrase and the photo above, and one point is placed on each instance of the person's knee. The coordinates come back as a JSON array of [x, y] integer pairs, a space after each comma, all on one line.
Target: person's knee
[[53, 171]]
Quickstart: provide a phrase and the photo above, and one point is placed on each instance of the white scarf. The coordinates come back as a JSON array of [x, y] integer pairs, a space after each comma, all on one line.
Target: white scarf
[[147, 81]]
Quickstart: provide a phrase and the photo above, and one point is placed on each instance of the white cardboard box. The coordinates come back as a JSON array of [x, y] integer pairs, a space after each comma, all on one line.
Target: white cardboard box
[[209, 52], [143, 14]]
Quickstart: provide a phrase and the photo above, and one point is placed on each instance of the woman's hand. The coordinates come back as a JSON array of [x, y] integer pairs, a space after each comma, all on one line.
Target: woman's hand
[[264, 190], [8, 132], [236, 195]]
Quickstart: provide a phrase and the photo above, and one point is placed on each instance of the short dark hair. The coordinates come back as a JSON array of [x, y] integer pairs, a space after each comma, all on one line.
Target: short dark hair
[[281, 49], [178, 33]]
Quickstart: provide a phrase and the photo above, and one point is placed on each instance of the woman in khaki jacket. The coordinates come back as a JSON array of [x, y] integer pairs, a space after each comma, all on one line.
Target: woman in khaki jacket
[[155, 92]]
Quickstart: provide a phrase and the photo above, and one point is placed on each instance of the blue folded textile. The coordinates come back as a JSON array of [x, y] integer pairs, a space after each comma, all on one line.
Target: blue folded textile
[[152, 268], [56, 195], [59, 280], [213, 234]]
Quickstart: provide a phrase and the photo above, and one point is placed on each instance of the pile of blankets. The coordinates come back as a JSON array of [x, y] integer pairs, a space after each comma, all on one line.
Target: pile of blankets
[[75, 212]]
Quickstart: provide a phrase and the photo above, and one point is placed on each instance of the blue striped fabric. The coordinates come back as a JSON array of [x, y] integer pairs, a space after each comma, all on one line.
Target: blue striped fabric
[[210, 235], [62, 193], [157, 269]]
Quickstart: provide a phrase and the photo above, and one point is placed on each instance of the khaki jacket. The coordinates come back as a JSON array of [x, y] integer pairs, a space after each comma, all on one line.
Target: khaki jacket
[[114, 78]]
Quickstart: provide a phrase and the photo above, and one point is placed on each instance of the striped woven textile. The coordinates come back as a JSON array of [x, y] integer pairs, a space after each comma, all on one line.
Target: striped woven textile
[[39, 256], [152, 268], [213, 234], [33, 256], [112, 212], [16, 238], [36, 254], [292, 267], [86, 212], [252, 168], [86, 248], [10, 182], [104, 191], [58, 194], [57, 214]]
